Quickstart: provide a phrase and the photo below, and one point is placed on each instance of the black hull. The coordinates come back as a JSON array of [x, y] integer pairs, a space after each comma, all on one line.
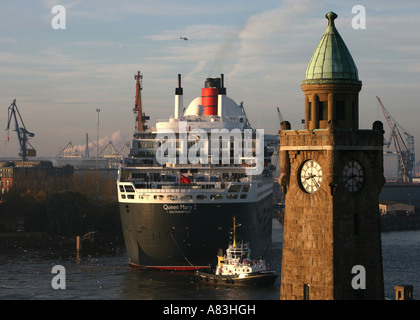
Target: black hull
[[261, 279], [190, 239]]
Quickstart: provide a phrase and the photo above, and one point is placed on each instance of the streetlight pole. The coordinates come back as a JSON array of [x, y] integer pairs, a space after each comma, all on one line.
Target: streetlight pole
[[97, 154]]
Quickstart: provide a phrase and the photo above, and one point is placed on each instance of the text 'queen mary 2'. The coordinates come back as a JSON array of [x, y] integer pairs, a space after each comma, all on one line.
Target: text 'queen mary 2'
[[185, 180]]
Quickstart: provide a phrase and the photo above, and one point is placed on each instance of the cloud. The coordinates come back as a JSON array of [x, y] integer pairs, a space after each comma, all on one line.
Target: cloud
[[203, 55], [194, 33], [118, 140], [260, 39], [223, 52], [111, 10], [8, 41], [262, 48], [243, 48], [197, 69]]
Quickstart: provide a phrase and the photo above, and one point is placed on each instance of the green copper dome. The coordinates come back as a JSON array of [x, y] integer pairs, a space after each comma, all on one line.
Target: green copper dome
[[331, 62]]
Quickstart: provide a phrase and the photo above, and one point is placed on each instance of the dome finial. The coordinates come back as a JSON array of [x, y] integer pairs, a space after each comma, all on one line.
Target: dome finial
[[331, 16]]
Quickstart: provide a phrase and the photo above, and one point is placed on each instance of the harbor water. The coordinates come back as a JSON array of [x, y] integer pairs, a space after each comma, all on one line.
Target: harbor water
[[26, 273]]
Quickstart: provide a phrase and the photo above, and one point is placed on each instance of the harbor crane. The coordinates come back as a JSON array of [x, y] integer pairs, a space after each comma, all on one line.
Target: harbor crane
[[141, 118], [404, 146], [22, 133], [280, 117]]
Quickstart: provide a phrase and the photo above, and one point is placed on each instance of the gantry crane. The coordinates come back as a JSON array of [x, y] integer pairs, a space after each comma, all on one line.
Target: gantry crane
[[22, 133], [404, 148]]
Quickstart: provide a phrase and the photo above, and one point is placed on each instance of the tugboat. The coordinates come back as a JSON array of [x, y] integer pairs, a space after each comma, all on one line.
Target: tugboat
[[236, 267]]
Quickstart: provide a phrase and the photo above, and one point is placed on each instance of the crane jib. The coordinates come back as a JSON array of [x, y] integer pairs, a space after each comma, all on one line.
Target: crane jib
[[21, 131]]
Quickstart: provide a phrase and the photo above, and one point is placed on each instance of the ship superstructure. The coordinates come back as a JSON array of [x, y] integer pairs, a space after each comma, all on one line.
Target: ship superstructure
[[185, 179]]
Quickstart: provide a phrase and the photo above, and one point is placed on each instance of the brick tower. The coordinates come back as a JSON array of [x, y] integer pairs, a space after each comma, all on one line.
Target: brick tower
[[331, 175]]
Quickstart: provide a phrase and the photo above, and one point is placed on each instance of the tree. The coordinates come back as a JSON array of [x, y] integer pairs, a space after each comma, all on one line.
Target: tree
[[67, 213]]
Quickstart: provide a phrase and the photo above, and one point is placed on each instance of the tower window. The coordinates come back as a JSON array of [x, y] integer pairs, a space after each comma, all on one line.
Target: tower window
[[340, 110], [323, 110], [310, 111], [353, 111], [305, 291]]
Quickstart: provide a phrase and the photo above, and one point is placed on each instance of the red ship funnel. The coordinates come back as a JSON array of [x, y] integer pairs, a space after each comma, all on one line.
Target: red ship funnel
[[209, 100], [209, 93]]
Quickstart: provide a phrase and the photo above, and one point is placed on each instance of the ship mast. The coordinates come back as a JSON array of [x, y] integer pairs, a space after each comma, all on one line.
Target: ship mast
[[141, 118], [234, 231]]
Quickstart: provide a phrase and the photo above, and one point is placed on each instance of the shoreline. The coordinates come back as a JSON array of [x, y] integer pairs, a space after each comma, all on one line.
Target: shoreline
[[16, 240]]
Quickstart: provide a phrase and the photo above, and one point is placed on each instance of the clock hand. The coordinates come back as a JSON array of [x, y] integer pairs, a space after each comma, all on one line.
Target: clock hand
[[311, 177], [316, 183], [351, 177]]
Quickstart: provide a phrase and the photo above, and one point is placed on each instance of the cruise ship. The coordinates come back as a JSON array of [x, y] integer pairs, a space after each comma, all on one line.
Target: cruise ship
[[186, 178]]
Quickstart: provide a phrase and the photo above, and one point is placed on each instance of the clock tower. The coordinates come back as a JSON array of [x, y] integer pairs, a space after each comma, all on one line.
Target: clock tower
[[331, 175]]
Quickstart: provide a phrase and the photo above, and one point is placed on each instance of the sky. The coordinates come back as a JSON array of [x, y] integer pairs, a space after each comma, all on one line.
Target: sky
[[59, 77]]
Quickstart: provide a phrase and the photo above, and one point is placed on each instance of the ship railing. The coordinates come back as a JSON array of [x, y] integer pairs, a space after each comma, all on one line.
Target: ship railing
[[197, 179], [231, 187], [134, 164], [202, 185], [179, 189], [205, 118], [178, 186], [208, 166]]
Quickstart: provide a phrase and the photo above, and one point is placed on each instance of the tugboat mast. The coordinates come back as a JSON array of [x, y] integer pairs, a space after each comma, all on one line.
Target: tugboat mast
[[234, 231]]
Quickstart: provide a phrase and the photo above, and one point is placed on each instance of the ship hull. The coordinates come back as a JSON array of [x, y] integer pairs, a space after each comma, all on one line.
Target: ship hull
[[188, 236], [265, 278]]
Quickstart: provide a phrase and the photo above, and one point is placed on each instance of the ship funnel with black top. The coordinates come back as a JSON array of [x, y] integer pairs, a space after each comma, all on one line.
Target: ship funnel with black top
[[179, 103], [210, 96]]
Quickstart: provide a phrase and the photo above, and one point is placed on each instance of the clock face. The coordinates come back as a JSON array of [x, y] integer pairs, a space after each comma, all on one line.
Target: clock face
[[310, 176], [353, 176]]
